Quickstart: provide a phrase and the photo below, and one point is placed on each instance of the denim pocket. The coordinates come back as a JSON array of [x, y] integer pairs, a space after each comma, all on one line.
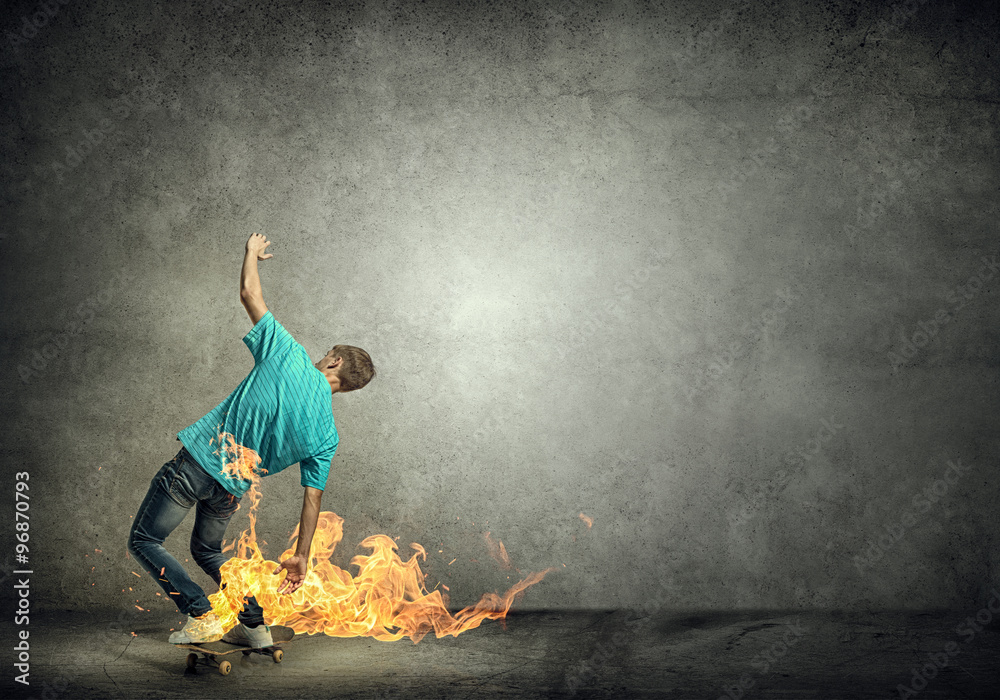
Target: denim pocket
[[165, 476], [223, 504], [179, 487]]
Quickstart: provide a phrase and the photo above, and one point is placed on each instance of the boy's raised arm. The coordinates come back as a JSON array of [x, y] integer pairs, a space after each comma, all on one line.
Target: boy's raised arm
[[251, 294]]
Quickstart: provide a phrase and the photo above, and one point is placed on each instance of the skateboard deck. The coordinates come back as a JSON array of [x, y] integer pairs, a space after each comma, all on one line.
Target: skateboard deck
[[211, 651]]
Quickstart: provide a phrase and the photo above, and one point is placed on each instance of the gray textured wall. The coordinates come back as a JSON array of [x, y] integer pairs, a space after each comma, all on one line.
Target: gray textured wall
[[650, 264]]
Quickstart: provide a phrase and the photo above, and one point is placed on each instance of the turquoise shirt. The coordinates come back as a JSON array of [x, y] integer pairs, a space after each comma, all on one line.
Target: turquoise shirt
[[282, 410]]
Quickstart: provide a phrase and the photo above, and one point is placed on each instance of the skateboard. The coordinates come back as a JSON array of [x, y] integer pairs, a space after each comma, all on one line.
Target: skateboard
[[212, 651]]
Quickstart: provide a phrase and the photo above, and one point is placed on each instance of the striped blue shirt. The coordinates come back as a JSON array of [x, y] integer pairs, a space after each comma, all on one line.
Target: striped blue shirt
[[282, 410]]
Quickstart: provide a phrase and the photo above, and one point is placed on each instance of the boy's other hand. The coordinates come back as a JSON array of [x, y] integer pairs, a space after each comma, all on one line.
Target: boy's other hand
[[256, 245], [296, 567]]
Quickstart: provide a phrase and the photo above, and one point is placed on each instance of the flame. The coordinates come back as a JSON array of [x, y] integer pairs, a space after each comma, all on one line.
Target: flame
[[386, 599], [587, 519], [242, 463], [497, 551]]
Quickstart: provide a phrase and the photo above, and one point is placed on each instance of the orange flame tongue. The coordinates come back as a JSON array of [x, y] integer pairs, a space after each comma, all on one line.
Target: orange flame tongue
[[242, 463], [386, 600]]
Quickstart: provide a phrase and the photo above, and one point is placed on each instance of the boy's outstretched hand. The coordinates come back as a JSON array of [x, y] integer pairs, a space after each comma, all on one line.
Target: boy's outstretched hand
[[296, 567], [256, 245]]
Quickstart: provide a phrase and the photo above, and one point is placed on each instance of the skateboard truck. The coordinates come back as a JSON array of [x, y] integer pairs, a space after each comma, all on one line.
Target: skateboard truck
[[210, 658], [210, 653]]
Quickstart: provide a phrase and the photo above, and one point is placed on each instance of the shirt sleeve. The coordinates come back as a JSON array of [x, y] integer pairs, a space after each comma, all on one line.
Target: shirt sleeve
[[315, 470], [267, 338]]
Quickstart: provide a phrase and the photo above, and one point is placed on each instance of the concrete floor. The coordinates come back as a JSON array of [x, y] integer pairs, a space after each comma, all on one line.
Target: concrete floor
[[541, 655]]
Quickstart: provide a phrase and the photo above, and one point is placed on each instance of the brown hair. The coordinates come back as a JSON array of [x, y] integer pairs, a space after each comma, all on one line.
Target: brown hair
[[357, 369]]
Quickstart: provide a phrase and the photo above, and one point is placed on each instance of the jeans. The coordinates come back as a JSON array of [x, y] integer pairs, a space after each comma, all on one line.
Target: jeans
[[180, 484]]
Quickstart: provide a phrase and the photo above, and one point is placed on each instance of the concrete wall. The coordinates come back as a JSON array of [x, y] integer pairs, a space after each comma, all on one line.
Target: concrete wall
[[652, 264]]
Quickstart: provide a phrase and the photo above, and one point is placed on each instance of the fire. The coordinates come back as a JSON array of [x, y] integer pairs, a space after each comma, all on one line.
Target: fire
[[497, 551], [242, 463], [386, 599]]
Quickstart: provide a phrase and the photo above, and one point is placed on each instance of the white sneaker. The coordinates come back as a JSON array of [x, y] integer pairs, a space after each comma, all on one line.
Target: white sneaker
[[207, 628], [257, 637]]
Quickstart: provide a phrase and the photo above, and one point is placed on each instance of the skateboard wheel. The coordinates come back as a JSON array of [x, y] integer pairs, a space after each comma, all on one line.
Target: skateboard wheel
[[246, 652], [277, 655], [225, 667], [192, 660]]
